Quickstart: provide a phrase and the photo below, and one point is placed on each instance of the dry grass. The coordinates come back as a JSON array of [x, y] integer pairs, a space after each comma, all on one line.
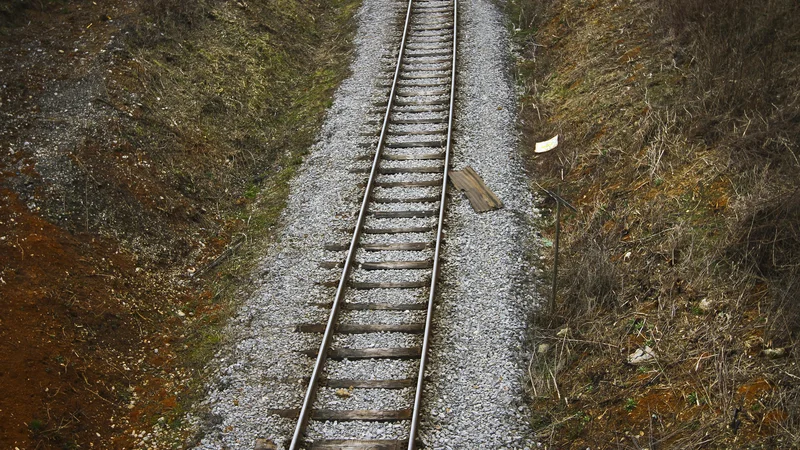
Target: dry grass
[[10, 10], [678, 125], [233, 76]]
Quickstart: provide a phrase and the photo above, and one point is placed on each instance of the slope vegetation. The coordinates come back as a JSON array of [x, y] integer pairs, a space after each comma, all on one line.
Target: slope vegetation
[[679, 125], [146, 147]]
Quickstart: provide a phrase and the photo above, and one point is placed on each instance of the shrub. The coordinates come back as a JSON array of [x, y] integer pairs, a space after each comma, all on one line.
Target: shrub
[[743, 57]]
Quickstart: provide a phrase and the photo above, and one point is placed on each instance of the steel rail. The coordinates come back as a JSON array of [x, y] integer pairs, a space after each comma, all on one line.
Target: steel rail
[[309, 398], [439, 234]]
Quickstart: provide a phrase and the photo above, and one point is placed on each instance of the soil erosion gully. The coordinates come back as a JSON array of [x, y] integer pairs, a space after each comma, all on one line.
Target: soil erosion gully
[[392, 261]]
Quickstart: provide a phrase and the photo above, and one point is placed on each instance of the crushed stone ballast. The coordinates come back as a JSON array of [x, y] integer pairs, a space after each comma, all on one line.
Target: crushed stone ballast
[[316, 361], [357, 328]]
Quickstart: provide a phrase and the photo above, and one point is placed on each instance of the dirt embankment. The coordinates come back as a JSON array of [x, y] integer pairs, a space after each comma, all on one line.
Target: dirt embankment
[[679, 139], [139, 139]]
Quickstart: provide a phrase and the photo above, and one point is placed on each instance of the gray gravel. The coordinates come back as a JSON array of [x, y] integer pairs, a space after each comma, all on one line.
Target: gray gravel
[[380, 369], [391, 317], [394, 296], [360, 430], [475, 397], [376, 340], [476, 400]]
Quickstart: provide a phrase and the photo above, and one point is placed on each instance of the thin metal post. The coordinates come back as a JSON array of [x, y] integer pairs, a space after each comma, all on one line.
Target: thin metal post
[[559, 201]]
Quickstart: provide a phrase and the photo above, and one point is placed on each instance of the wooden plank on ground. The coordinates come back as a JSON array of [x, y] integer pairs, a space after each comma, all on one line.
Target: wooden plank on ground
[[416, 144], [412, 156], [368, 353], [373, 415], [369, 384], [430, 54], [397, 230], [390, 284], [397, 246], [351, 444], [401, 156], [425, 199], [331, 264], [372, 306], [385, 306], [405, 214], [424, 74], [396, 265], [292, 413], [417, 183], [481, 198], [411, 92], [423, 169], [353, 328]]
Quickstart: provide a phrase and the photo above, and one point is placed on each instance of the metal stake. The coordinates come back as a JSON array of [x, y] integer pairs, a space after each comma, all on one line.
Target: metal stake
[[559, 201]]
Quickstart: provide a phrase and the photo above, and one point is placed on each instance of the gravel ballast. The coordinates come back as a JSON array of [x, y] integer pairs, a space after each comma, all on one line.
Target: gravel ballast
[[475, 395]]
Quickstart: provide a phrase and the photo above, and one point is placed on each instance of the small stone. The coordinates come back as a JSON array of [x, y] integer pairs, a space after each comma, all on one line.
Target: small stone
[[264, 444], [641, 356], [775, 352], [181, 313], [706, 305], [343, 393], [543, 348]]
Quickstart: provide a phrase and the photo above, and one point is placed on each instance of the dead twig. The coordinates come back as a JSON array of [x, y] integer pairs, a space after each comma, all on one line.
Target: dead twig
[[555, 383], [222, 257], [100, 396], [582, 341], [552, 426]]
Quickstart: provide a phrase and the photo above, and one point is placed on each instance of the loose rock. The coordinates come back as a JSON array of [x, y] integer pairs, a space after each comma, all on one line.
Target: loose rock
[[641, 356], [264, 444]]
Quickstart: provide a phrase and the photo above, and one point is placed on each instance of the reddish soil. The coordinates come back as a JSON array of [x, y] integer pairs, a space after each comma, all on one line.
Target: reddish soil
[[87, 335], [62, 328], [84, 357]]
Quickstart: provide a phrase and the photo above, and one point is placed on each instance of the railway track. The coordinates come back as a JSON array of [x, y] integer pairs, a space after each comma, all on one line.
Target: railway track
[[376, 339]]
